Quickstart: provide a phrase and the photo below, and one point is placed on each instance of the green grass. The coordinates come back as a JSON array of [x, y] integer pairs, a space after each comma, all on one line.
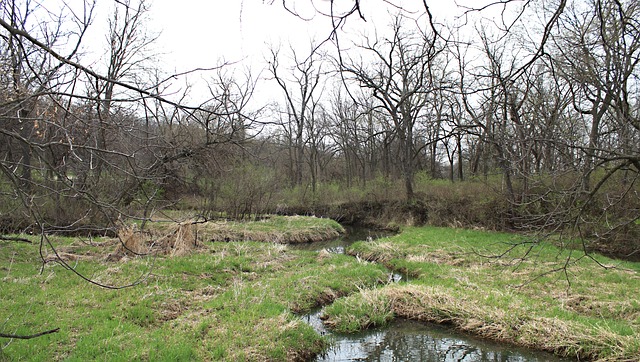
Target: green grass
[[229, 301], [534, 295], [237, 301]]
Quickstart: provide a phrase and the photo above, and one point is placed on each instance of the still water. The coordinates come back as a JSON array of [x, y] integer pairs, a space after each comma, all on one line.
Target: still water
[[406, 340], [339, 245]]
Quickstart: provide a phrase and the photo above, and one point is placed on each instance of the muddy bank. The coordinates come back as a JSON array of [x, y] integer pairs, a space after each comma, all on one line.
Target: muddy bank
[[624, 249], [381, 215]]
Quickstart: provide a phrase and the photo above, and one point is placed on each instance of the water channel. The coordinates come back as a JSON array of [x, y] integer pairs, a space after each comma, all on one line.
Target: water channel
[[406, 340]]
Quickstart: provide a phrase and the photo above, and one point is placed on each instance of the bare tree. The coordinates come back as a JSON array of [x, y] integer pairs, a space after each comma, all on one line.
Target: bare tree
[[401, 80], [58, 125], [128, 44], [597, 54], [355, 132], [301, 86]]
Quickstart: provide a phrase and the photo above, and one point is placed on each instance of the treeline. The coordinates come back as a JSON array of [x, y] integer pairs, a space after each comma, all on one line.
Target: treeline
[[534, 128]]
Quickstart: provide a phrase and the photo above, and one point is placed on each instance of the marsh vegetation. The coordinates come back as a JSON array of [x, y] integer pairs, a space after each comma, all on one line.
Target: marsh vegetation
[[502, 146], [241, 300]]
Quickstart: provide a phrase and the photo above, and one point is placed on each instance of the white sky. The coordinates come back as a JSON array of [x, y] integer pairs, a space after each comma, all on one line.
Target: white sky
[[204, 33], [201, 33], [198, 33]]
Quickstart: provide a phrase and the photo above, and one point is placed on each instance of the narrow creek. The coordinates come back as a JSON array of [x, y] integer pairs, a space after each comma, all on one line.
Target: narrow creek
[[406, 340]]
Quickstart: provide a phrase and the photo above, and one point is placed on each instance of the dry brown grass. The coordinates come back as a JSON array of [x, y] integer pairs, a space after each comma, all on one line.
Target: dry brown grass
[[439, 257], [181, 239], [380, 251], [465, 313], [64, 256], [181, 242], [233, 232]]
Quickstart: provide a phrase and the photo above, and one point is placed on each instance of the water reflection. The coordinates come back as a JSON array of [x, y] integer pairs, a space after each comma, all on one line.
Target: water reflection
[[406, 340], [338, 246]]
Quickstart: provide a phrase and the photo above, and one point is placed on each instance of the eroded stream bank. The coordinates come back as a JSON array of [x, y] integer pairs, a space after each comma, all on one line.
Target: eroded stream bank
[[407, 340]]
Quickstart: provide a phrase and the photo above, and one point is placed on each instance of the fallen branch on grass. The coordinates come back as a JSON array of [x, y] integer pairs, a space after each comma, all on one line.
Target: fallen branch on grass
[[14, 336], [12, 238]]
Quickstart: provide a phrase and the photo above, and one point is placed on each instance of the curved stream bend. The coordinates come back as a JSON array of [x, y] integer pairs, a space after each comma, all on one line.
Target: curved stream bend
[[405, 340]]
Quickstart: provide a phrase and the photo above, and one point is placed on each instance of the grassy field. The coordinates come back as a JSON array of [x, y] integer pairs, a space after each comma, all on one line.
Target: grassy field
[[237, 301], [534, 295], [232, 301]]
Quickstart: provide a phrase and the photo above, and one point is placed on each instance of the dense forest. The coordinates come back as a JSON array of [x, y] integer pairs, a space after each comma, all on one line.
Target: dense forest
[[528, 121]]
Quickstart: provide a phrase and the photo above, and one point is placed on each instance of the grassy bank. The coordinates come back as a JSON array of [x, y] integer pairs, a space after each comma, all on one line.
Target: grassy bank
[[534, 295], [237, 301], [271, 228], [279, 229], [231, 301]]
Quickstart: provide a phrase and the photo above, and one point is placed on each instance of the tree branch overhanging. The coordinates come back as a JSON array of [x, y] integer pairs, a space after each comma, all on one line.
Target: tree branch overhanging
[[64, 60]]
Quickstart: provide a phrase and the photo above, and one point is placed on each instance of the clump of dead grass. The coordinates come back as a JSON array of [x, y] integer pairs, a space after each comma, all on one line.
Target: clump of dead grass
[[64, 256], [562, 337], [285, 230], [367, 309], [439, 257], [180, 240], [378, 251], [323, 255]]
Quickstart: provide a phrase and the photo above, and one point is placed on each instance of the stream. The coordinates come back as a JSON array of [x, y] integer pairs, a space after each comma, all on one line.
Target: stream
[[406, 340]]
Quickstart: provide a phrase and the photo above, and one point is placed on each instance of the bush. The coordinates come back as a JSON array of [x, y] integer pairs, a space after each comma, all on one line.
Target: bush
[[247, 191], [464, 204]]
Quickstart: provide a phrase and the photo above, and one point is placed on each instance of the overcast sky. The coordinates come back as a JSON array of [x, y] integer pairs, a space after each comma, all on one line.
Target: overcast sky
[[203, 33], [197, 32], [200, 33]]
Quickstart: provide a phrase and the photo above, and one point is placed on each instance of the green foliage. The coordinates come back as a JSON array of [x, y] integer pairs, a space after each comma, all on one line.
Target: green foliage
[[466, 204], [382, 188], [149, 191], [333, 192]]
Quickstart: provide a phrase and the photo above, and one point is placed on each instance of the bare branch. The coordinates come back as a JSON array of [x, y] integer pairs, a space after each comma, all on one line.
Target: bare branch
[[12, 238], [31, 336]]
